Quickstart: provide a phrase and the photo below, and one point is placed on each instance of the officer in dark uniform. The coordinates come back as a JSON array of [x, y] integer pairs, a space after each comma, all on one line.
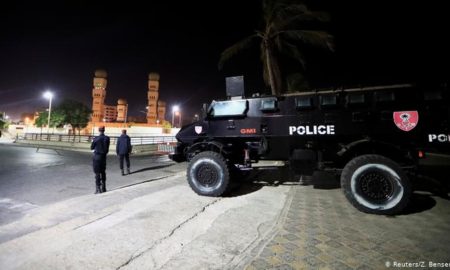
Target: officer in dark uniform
[[100, 145], [123, 150]]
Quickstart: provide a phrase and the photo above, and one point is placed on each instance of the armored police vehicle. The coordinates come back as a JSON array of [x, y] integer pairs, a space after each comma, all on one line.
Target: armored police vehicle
[[374, 137]]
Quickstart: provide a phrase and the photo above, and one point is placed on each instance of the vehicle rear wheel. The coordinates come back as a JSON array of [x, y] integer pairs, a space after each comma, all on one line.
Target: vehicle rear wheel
[[375, 184], [208, 174]]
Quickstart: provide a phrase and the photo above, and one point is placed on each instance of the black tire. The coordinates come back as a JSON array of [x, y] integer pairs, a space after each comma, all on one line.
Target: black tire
[[375, 184], [208, 174]]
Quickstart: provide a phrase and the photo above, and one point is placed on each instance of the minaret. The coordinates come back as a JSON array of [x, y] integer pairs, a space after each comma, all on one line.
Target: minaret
[[98, 95], [161, 111], [122, 108], [152, 95]]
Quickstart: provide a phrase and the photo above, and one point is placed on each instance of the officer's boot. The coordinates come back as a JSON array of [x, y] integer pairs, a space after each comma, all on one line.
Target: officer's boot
[[97, 184], [123, 172], [103, 185], [128, 171]]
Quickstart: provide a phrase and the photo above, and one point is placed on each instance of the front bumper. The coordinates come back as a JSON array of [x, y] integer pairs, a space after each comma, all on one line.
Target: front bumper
[[178, 154], [176, 157]]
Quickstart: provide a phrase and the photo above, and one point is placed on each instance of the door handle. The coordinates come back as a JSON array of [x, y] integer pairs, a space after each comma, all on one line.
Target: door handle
[[231, 124]]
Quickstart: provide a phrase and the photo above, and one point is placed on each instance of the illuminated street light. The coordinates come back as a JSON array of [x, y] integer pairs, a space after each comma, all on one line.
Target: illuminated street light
[[175, 110], [49, 95]]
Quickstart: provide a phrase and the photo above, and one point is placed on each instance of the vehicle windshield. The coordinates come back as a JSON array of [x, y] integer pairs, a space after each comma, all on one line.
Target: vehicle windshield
[[228, 108]]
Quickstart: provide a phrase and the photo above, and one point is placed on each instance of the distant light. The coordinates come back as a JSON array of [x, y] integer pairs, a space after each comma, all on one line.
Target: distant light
[[175, 108], [48, 95], [421, 154]]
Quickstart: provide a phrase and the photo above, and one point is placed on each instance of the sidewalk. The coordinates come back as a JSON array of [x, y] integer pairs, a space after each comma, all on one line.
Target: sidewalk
[[323, 231], [6, 141], [155, 225]]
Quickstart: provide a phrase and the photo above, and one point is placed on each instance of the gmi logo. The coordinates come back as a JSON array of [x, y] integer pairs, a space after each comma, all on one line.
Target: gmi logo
[[248, 131]]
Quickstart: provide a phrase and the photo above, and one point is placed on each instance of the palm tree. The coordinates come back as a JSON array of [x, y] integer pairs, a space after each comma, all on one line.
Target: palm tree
[[281, 34]]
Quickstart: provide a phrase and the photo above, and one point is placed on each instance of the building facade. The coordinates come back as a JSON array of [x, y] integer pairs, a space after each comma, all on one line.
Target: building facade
[[102, 112], [98, 96]]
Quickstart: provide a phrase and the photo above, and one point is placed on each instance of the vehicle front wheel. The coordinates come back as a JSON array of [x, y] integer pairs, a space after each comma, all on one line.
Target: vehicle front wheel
[[208, 174], [375, 184]]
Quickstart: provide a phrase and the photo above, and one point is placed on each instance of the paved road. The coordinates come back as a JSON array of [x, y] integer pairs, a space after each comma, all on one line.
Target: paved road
[[31, 177], [157, 224]]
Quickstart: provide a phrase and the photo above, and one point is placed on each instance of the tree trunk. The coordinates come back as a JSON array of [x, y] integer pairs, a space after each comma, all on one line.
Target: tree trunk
[[269, 60]]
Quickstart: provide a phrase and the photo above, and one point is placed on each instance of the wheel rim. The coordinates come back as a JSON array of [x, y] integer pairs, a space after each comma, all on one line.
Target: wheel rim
[[207, 175], [376, 186]]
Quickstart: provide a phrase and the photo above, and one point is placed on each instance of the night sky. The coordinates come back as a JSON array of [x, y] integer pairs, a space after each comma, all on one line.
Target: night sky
[[58, 46]]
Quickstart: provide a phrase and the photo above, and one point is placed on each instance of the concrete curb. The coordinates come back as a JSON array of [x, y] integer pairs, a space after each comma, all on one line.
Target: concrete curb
[[144, 149]]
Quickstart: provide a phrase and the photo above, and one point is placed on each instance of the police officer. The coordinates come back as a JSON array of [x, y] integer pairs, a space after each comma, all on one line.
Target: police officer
[[100, 145], [123, 150]]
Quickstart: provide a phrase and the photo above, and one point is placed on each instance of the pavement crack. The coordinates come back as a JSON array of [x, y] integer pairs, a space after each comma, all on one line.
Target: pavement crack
[[143, 182], [140, 253], [92, 221], [258, 244]]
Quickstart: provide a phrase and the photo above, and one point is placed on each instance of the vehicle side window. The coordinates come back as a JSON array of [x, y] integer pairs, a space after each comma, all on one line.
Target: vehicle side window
[[228, 108], [269, 105], [328, 101], [430, 96], [355, 100], [304, 103], [384, 96]]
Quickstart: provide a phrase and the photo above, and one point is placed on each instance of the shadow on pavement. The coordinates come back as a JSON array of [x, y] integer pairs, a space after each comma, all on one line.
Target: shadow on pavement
[[436, 184], [325, 180], [151, 168], [251, 181], [419, 203]]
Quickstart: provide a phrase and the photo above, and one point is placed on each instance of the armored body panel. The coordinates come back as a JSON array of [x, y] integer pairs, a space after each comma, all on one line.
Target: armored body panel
[[327, 130]]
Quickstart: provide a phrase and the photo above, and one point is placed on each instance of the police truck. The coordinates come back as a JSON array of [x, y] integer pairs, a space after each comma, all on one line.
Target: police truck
[[374, 138]]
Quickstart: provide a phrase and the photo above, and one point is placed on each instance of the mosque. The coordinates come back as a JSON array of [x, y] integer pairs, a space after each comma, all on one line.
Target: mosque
[[117, 115]]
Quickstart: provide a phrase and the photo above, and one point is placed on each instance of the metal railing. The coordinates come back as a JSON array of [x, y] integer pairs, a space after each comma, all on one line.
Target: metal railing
[[88, 138]]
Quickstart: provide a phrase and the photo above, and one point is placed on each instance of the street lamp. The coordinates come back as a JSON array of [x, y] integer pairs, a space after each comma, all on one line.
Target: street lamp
[[49, 95], [175, 109]]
